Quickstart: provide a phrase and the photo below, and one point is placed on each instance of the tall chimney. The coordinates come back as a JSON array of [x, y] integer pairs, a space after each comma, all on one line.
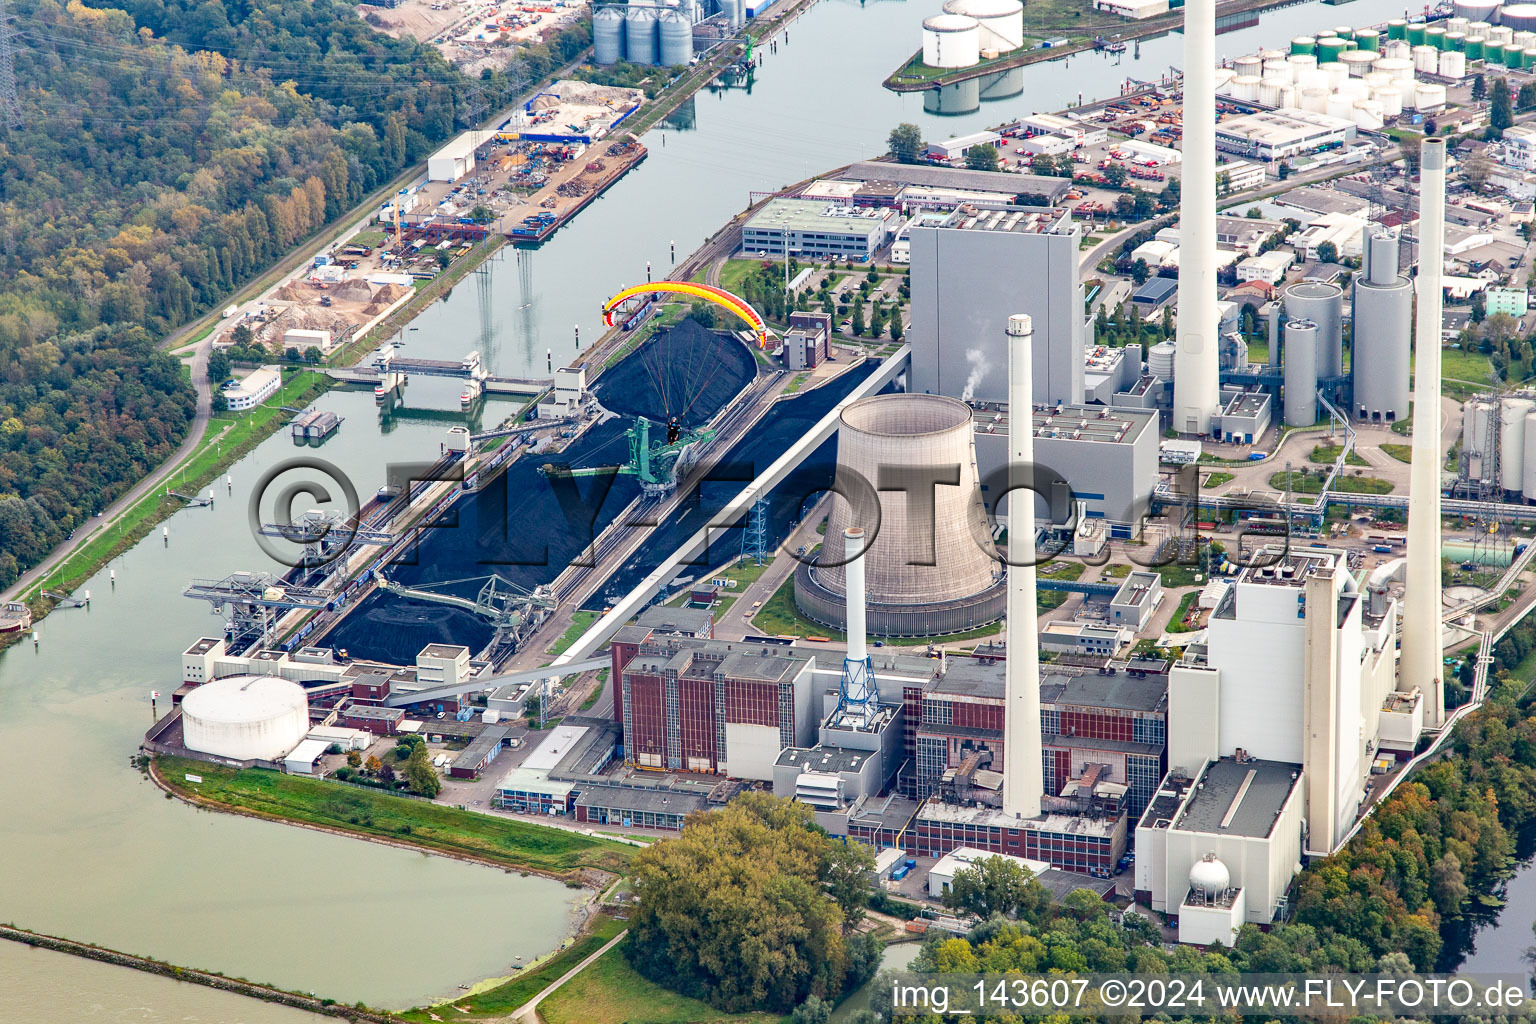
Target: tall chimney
[[1419, 664], [853, 549], [858, 703], [1023, 775], [1196, 388]]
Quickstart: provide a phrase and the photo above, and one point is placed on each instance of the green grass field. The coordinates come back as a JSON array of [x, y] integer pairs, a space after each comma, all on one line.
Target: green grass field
[[779, 616], [506, 997], [1400, 452], [1176, 624], [580, 622], [1308, 483], [504, 841], [1326, 454], [1218, 478], [1465, 364], [611, 992]]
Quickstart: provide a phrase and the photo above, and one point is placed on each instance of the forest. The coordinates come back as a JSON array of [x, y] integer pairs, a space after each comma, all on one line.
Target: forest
[[167, 154]]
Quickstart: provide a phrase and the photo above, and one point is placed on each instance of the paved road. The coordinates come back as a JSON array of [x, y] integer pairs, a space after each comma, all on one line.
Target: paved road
[[529, 1010], [116, 510]]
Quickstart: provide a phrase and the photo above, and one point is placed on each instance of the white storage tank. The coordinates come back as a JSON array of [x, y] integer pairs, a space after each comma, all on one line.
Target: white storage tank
[[1272, 55], [1358, 61], [1397, 69], [1160, 360], [1223, 81], [1520, 17], [1396, 49], [1299, 356], [608, 35], [1455, 24], [1300, 62], [951, 41], [1427, 96], [1475, 10], [1528, 470], [1341, 105], [1000, 23], [1312, 78], [1500, 34], [1249, 65], [1391, 99], [1280, 69], [1286, 96], [1426, 59], [1453, 65], [1512, 414], [1337, 73], [676, 39], [1315, 100], [245, 718], [1368, 115], [1269, 91], [1245, 88], [1355, 89]]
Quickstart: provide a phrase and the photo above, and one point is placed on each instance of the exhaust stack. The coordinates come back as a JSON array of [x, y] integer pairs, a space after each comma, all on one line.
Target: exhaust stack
[[1023, 775], [1419, 664], [1196, 387], [858, 697]]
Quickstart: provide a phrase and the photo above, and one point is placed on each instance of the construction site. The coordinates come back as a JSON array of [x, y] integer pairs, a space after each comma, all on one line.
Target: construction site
[[473, 35]]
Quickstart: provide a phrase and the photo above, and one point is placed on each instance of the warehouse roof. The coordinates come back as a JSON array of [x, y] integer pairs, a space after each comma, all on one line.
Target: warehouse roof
[[1003, 182], [1241, 798], [816, 215]]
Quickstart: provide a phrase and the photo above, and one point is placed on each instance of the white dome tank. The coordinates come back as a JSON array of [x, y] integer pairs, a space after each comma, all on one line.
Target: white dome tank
[[1160, 359], [1396, 48], [245, 718], [1269, 91], [1391, 99], [1528, 470], [1277, 69], [1500, 34], [1209, 876], [1223, 81], [1522, 37], [1248, 65], [1341, 105], [951, 41], [1397, 69], [1512, 414], [1426, 59], [1337, 73], [1000, 22], [1359, 61], [1301, 62], [1457, 24], [1428, 96], [1453, 65], [1315, 100]]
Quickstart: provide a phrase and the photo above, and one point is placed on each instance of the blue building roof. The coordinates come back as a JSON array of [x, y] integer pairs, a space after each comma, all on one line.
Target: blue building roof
[[1156, 290]]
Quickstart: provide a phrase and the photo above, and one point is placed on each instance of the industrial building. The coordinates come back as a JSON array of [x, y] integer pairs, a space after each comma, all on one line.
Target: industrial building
[[930, 568], [817, 230], [1281, 134], [1013, 258], [1382, 317], [955, 148], [245, 718], [253, 389], [807, 343]]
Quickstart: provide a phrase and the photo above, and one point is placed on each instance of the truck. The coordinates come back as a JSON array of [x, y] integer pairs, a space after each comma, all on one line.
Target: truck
[[1382, 548], [1257, 456]]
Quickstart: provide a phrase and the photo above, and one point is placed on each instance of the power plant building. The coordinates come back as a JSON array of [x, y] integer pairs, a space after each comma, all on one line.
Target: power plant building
[[973, 271], [817, 230], [1383, 325]]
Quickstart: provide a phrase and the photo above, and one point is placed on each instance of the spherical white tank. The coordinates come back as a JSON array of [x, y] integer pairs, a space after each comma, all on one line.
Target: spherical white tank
[[1209, 876], [1453, 65], [1000, 22], [951, 41], [245, 717], [1315, 100], [1391, 99], [1528, 470]]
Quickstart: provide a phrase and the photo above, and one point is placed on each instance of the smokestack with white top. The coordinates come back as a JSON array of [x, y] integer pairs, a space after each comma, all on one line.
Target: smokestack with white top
[[1023, 775], [1196, 388], [1419, 664], [858, 698]]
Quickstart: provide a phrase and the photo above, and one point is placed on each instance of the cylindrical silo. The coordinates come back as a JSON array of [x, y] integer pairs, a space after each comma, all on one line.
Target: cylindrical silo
[[1512, 414], [1512, 55], [1344, 32], [1520, 17], [1330, 50], [953, 99], [1426, 59], [1475, 10], [1246, 88], [925, 570], [1312, 78], [1322, 305], [1300, 356], [1391, 99], [1000, 23], [1396, 48], [951, 41], [1271, 54], [1269, 91], [1478, 28], [1528, 57], [1455, 42], [608, 35], [1376, 79], [1523, 38], [1383, 315], [640, 35], [1453, 65], [1474, 50], [1286, 96], [1160, 359], [1354, 89], [1397, 28], [1280, 69], [1340, 105], [1501, 34], [1455, 24], [1249, 65], [1368, 115], [676, 39], [1368, 39], [1398, 69], [1434, 36], [1315, 100], [1528, 471], [1304, 45], [1416, 34], [1300, 64], [245, 718], [1337, 73], [1221, 81]]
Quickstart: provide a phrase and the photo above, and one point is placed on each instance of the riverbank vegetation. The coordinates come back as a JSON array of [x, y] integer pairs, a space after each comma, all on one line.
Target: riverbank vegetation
[[505, 842], [612, 992]]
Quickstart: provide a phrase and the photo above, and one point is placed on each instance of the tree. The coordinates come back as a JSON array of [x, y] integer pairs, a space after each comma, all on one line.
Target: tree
[[420, 776], [1501, 112], [218, 366], [858, 319], [354, 759], [1142, 205], [1032, 199], [813, 1011], [905, 143], [1115, 175], [481, 214], [373, 765], [703, 314], [241, 336], [996, 885], [313, 356], [1140, 272], [387, 774], [1479, 88], [1526, 98], [896, 326], [849, 869], [1448, 886], [981, 158], [443, 259], [1500, 329], [1328, 253], [1223, 182], [735, 909], [1475, 170], [1254, 213], [1479, 308]]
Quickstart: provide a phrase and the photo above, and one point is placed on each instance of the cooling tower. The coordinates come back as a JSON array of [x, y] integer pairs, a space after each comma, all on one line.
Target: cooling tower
[[1383, 319], [925, 572]]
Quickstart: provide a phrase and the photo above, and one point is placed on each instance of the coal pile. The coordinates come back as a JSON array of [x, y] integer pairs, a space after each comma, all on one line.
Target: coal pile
[[687, 371]]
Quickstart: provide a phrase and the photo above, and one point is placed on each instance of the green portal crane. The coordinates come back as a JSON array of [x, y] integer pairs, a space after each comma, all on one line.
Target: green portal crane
[[654, 463]]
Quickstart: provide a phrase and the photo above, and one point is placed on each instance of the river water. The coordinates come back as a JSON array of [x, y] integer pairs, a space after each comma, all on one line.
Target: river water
[[94, 852]]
